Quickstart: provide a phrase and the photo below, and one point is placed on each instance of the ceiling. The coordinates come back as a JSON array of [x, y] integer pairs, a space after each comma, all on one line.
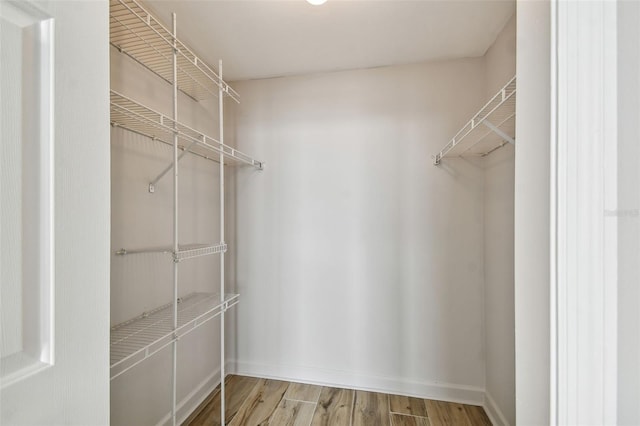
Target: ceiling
[[270, 38]]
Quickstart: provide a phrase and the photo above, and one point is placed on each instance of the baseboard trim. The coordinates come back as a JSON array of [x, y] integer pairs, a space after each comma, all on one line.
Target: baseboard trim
[[344, 379], [193, 400], [493, 411]]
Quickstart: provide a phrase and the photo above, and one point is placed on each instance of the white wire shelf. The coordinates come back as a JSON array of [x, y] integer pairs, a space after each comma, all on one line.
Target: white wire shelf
[[131, 115], [490, 129], [139, 338], [138, 34], [187, 251], [195, 251]]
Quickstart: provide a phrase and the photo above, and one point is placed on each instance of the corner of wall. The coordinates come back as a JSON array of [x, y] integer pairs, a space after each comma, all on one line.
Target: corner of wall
[[498, 230], [492, 409], [531, 213]]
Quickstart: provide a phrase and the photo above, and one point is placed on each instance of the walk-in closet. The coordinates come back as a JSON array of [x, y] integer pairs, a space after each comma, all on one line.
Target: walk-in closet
[[319, 212], [311, 228]]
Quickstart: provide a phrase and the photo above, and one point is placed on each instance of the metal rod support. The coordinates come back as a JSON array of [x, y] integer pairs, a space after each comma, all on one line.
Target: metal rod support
[[222, 315], [154, 182], [499, 132], [175, 221]]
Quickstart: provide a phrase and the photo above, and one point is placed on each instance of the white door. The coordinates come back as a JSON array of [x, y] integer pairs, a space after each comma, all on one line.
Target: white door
[[54, 212]]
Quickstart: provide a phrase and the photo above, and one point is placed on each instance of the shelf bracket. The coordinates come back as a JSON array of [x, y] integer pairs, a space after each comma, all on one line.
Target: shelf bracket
[[153, 183], [499, 132]]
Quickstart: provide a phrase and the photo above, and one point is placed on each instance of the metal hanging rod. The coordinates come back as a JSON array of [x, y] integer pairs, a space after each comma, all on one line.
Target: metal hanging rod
[[490, 128], [181, 147], [137, 33]]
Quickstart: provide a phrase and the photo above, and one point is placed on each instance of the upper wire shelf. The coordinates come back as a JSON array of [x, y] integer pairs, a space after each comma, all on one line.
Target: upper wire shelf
[[139, 338], [489, 129], [137, 33], [127, 113], [184, 252]]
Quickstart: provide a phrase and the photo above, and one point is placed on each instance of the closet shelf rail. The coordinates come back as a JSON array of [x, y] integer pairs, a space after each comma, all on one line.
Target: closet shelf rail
[[138, 34], [489, 129], [142, 337], [188, 251], [131, 115]]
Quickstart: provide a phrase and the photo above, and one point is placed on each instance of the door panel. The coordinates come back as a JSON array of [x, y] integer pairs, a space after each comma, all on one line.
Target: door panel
[[54, 212], [26, 207]]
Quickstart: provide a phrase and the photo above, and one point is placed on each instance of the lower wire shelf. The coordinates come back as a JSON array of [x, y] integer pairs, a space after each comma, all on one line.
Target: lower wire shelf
[[136, 340]]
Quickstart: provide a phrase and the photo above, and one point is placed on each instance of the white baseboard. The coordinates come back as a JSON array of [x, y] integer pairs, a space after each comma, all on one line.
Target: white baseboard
[[493, 411], [192, 401], [345, 379]]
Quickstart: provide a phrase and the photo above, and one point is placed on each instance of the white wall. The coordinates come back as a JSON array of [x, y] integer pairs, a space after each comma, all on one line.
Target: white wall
[[532, 213], [359, 262], [140, 219], [628, 221], [500, 62]]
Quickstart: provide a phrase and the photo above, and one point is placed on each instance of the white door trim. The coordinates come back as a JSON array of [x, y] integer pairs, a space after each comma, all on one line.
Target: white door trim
[[583, 190]]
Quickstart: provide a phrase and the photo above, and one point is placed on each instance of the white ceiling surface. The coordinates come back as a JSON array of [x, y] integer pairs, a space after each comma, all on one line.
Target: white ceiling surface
[[270, 38]]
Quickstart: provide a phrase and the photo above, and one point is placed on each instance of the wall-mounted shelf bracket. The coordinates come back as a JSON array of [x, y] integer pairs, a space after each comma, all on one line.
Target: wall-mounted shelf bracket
[[499, 132], [170, 166]]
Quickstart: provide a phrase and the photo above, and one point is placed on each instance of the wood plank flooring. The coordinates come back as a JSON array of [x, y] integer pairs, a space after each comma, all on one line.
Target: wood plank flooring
[[260, 402]]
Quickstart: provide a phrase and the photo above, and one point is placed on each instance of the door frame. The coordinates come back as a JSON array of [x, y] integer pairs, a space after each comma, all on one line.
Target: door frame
[[583, 281]]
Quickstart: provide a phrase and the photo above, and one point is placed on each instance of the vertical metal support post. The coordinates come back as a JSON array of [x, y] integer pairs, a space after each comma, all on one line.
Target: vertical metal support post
[[222, 351], [174, 383]]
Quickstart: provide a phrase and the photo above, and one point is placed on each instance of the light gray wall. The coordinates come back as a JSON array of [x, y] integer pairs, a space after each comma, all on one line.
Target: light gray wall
[[532, 213], [359, 262], [500, 62], [629, 222]]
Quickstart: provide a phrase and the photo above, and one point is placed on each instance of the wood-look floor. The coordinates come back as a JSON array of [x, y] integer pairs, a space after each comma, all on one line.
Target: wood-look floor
[[251, 402]]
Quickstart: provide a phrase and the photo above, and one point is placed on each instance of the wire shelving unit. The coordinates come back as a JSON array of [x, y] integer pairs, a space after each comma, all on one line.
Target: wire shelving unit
[[138, 34], [490, 128]]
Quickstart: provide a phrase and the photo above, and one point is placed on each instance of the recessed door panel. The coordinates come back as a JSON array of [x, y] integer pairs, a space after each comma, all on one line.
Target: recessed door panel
[[26, 188]]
